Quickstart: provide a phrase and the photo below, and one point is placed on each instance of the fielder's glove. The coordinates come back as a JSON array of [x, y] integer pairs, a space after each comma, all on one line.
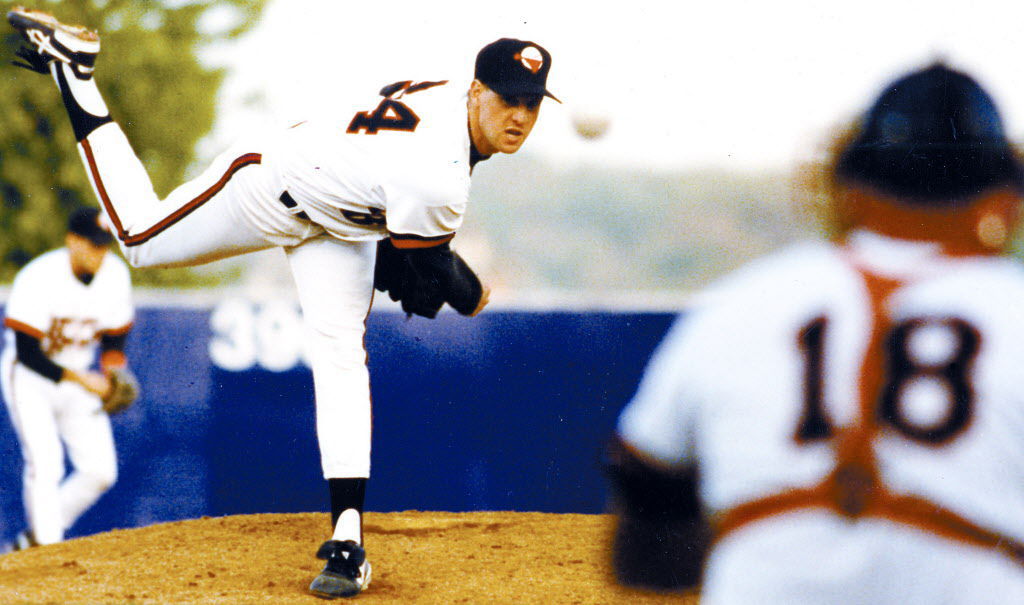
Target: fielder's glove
[[423, 279], [124, 390]]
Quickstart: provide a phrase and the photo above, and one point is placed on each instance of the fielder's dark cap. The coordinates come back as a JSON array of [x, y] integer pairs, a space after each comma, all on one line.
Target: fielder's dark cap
[[933, 137], [513, 67], [87, 223]]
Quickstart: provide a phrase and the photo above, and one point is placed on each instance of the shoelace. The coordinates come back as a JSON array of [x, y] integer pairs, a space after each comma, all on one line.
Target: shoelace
[[345, 562]]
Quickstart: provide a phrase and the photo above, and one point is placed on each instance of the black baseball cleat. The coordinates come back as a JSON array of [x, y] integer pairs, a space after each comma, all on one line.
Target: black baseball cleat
[[347, 572], [51, 40]]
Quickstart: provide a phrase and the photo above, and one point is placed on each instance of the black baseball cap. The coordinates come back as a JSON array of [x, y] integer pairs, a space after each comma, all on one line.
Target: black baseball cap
[[513, 67], [933, 137], [86, 223]]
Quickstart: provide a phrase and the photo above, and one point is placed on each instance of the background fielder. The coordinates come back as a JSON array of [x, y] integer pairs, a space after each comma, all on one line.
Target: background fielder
[[394, 167], [63, 306], [853, 408]]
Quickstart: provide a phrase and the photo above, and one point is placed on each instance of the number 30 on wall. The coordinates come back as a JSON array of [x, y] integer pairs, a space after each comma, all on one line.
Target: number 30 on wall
[[246, 334]]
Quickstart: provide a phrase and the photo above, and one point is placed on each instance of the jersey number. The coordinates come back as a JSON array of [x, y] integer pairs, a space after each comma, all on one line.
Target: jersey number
[[901, 368], [390, 114]]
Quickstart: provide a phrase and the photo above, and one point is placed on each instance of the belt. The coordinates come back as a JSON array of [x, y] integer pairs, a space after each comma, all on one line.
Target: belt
[[292, 206]]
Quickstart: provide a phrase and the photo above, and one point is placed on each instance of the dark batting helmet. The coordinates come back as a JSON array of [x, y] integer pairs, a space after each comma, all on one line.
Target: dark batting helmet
[[932, 138]]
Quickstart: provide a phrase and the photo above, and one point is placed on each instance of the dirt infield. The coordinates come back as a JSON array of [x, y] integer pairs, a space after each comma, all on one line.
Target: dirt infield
[[418, 557]]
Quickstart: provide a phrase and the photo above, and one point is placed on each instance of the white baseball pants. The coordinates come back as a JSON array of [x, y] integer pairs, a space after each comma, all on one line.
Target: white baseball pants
[[232, 208], [46, 414]]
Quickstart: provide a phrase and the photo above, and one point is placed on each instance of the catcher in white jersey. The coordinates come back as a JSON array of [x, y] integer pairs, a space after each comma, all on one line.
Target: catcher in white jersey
[[392, 169], [849, 415], [63, 306]]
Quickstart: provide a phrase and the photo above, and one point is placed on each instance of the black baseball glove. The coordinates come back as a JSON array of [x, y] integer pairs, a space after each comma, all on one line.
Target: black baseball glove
[[423, 279], [661, 538]]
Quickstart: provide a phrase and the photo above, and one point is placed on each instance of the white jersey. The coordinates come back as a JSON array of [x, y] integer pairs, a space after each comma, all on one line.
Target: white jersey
[[47, 301], [399, 162], [882, 358]]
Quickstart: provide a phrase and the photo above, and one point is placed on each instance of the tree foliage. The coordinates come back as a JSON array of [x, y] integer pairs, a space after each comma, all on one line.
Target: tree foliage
[[151, 76]]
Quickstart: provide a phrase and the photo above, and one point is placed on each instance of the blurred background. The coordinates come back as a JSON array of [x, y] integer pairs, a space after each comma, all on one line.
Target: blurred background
[[684, 146], [672, 159]]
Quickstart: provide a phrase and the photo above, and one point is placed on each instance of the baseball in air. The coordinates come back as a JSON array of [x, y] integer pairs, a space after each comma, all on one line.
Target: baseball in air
[[590, 124]]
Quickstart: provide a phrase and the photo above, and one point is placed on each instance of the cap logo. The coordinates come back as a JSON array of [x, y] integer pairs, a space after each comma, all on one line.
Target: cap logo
[[531, 58]]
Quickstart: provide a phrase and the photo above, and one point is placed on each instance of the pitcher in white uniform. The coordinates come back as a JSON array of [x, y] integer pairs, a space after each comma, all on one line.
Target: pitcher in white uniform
[[392, 167], [849, 414], [64, 306]]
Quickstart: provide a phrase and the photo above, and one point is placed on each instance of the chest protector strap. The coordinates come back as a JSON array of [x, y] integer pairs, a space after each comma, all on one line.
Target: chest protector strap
[[854, 489]]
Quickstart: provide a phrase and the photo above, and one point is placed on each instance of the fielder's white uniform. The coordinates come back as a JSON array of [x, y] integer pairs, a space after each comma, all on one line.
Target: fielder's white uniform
[[856, 414], [48, 302], [394, 164]]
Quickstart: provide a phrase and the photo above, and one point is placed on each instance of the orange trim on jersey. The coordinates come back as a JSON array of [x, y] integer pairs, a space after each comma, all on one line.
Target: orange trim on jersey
[[117, 331], [407, 241], [24, 328], [854, 489], [174, 217], [985, 226], [113, 359]]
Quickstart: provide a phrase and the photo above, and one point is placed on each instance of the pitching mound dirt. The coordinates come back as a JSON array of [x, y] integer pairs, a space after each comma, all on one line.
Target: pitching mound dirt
[[418, 557]]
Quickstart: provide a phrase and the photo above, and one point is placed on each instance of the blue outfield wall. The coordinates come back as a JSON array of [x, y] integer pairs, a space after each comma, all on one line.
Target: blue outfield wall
[[505, 411]]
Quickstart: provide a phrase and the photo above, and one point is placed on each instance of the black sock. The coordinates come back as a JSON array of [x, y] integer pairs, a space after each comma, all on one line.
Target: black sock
[[82, 122], [346, 494]]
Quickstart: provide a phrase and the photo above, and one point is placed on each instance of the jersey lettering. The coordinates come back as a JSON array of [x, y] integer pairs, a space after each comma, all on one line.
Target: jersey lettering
[[68, 331], [901, 369], [391, 114], [375, 216]]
